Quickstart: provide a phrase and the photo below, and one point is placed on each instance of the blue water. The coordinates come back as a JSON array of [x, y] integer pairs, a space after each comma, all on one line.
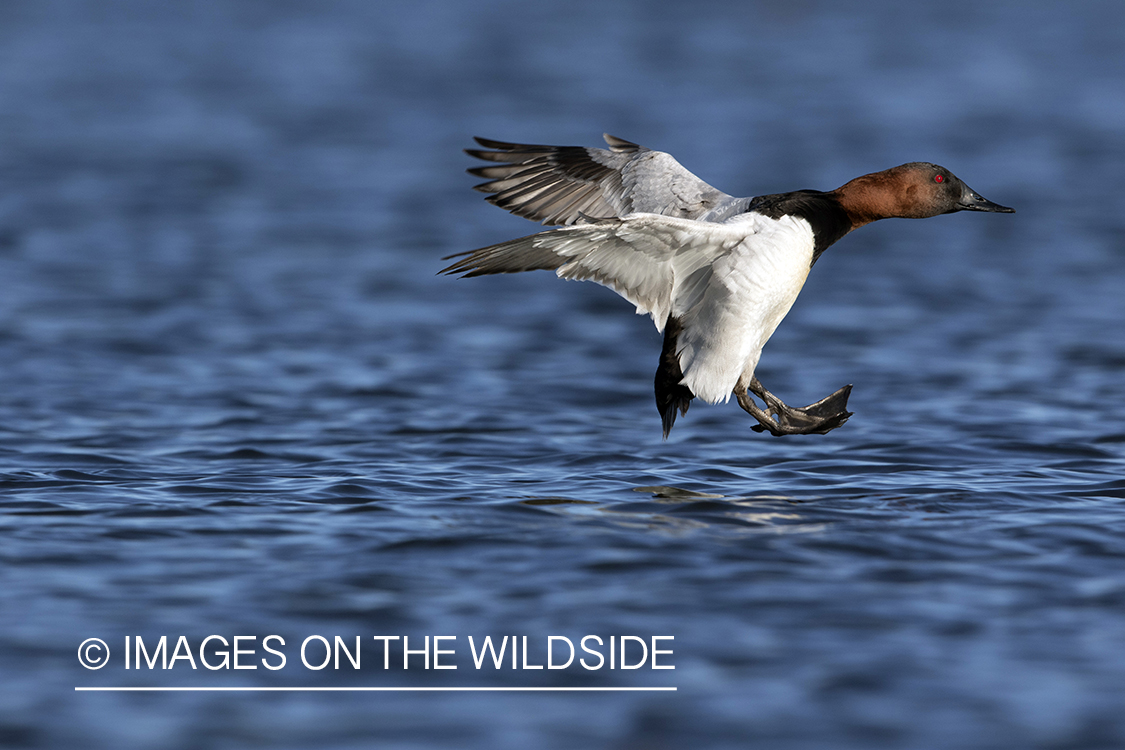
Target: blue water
[[235, 399]]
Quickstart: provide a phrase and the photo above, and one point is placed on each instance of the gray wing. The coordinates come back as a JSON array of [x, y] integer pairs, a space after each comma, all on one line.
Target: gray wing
[[565, 185], [658, 263]]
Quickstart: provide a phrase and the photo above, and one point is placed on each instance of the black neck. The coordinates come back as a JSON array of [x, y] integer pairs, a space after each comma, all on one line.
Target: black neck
[[822, 211]]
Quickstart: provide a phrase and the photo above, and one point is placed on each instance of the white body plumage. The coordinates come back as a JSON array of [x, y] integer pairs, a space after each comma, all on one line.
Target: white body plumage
[[730, 284]]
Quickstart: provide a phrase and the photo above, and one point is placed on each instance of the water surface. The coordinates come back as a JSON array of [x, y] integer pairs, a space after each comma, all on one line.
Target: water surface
[[235, 399]]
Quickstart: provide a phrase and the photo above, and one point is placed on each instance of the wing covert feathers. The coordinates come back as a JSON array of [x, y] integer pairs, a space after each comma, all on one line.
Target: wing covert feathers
[[561, 185]]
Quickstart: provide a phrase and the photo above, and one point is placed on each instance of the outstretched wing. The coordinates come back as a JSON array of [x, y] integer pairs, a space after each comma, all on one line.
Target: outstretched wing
[[566, 185], [661, 264], [728, 285]]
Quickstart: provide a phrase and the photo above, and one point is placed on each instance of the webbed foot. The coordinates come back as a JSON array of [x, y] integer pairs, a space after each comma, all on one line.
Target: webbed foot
[[778, 418]]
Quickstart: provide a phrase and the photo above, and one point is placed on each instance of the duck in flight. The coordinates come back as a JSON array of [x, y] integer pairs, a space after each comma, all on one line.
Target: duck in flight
[[716, 273]]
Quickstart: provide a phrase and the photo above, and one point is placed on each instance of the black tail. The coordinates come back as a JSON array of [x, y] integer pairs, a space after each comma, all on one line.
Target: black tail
[[671, 395]]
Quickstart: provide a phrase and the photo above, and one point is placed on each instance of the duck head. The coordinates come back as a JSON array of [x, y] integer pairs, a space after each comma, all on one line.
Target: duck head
[[911, 191]]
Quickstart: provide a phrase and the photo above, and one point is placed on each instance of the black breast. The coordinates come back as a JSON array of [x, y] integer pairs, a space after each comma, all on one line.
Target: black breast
[[822, 211]]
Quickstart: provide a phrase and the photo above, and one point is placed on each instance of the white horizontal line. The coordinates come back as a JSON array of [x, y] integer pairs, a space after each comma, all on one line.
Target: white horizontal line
[[372, 689]]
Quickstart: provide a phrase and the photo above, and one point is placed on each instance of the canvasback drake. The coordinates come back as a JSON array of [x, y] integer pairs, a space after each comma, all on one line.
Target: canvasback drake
[[716, 273]]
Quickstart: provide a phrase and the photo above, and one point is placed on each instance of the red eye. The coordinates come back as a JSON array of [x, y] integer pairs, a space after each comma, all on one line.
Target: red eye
[[939, 178]]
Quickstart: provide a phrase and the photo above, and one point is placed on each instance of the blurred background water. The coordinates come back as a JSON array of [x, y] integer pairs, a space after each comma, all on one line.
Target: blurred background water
[[235, 399]]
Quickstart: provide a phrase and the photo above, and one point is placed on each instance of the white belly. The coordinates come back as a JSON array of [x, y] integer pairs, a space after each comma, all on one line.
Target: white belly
[[749, 293]]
